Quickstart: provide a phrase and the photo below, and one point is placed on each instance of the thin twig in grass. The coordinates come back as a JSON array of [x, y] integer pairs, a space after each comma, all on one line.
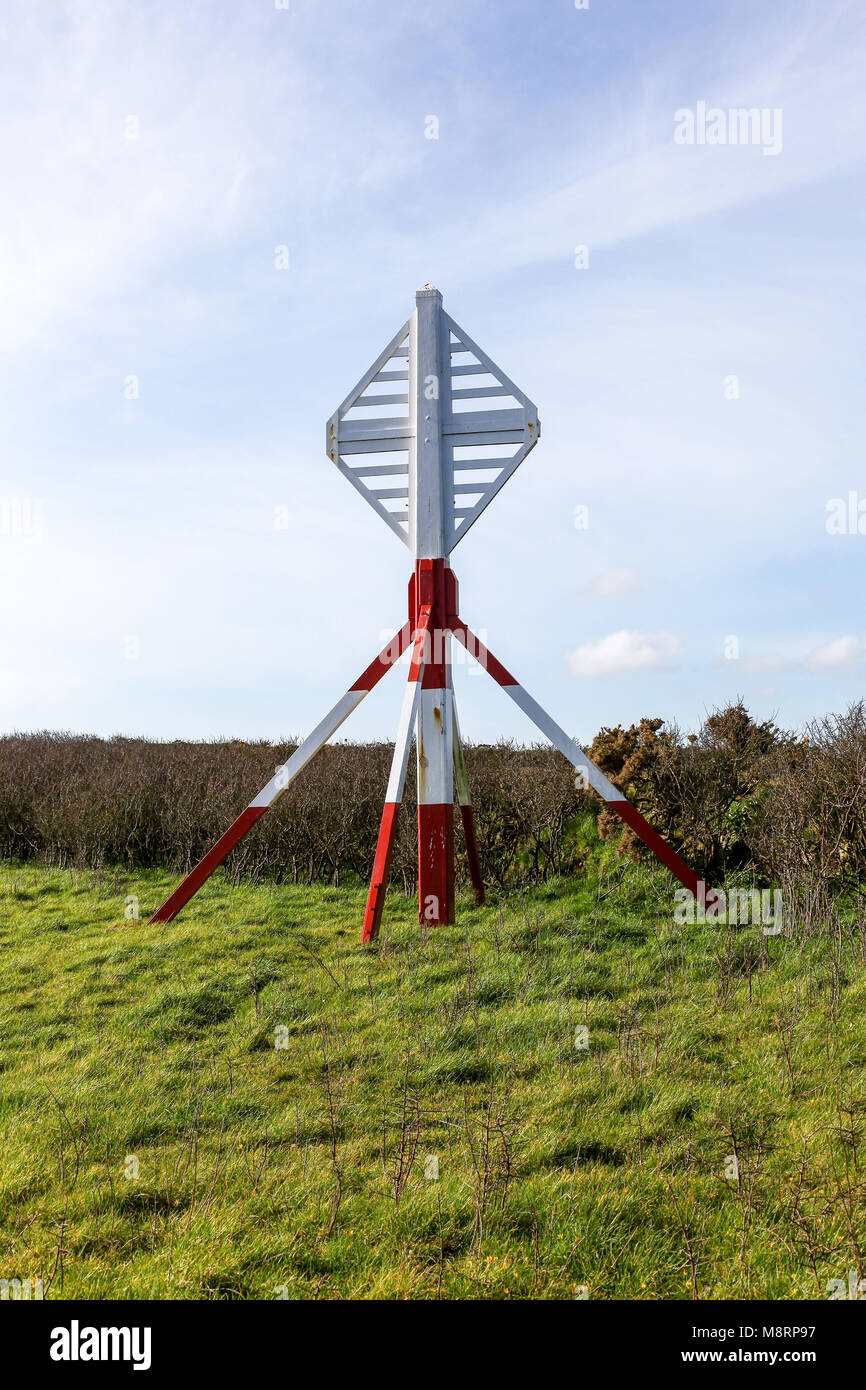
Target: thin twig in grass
[[441, 1244], [333, 1125], [802, 1220], [317, 959], [209, 1196], [58, 1256], [694, 1250], [254, 980], [410, 1127], [75, 1144], [255, 1172]]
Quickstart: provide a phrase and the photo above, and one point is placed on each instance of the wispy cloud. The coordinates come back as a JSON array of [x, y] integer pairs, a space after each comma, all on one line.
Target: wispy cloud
[[137, 140], [623, 652], [821, 91], [615, 584], [841, 654]]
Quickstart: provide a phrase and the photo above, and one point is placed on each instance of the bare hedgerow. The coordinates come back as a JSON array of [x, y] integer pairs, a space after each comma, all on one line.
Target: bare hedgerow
[[810, 833], [739, 797], [87, 802]]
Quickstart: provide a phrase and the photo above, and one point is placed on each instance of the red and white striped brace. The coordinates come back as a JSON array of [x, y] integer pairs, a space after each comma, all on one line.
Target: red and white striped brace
[[284, 776], [576, 755], [397, 780]]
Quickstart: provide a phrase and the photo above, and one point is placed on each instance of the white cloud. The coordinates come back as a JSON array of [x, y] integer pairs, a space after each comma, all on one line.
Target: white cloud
[[837, 655], [624, 651], [615, 583]]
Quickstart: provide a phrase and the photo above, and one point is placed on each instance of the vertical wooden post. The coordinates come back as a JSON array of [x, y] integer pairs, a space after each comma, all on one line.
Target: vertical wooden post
[[429, 521], [434, 747]]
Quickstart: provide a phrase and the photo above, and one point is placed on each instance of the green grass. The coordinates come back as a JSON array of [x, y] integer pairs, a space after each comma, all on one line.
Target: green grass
[[300, 1169]]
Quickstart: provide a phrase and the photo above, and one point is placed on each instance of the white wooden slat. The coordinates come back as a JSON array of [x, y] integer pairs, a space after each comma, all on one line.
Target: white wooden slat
[[386, 446], [485, 421], [476, 438], [463, 465], [478, 392], [391, 376], [380, 400], [372, 431], [370, 470]]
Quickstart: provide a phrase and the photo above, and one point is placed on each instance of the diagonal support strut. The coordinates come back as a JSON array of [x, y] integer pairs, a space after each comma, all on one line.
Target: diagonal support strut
[[575, 754], [396, 781], [283, 776]]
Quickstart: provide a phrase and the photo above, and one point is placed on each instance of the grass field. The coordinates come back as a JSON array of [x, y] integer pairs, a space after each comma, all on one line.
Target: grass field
[[246, 1104]]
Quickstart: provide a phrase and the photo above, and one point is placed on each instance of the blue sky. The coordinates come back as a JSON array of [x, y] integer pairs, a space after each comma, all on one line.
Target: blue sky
[[153, 257]]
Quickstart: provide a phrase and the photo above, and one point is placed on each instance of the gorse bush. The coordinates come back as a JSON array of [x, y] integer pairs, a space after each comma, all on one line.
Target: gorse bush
[[702, 792], [790, 810], [738, 797]]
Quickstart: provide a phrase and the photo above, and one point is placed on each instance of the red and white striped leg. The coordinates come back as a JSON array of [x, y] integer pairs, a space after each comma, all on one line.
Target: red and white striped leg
[[575, 754], [464, 800], [434, 743], [435, 808], [396, 783], [283, 776]]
